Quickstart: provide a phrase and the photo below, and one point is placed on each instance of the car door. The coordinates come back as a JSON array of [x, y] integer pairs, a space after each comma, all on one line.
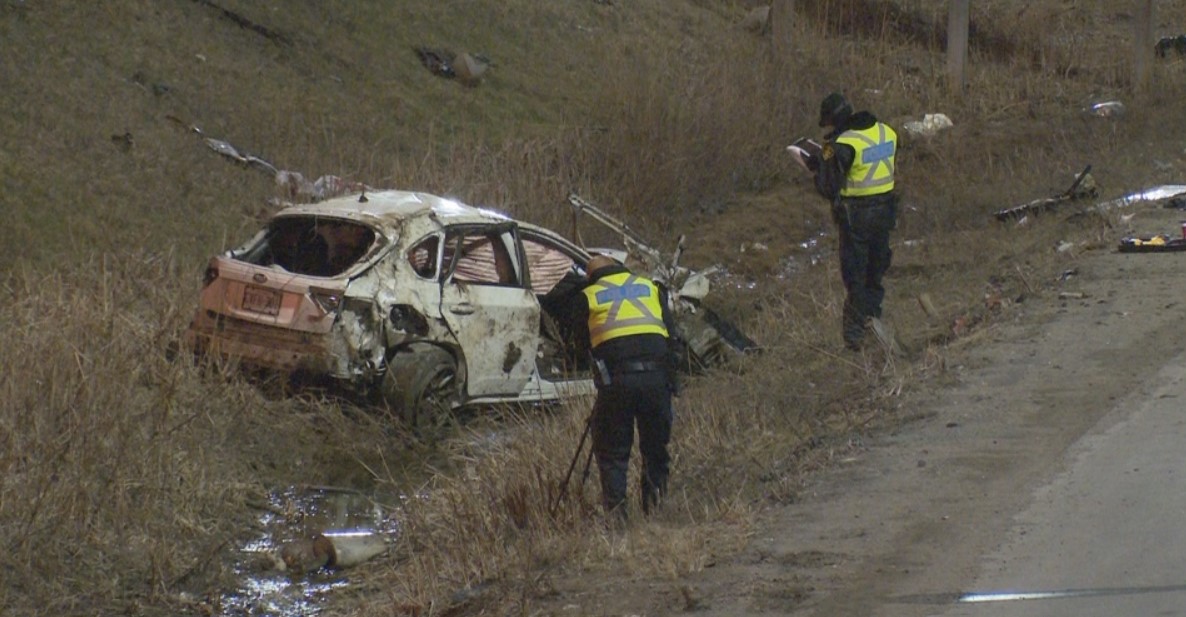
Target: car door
[[486, 300]]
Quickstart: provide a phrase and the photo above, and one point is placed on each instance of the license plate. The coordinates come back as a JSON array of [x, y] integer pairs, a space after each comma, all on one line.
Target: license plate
[[260, 300]]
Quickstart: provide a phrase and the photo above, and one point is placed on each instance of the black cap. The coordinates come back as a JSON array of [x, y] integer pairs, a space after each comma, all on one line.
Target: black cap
[[834, 110]]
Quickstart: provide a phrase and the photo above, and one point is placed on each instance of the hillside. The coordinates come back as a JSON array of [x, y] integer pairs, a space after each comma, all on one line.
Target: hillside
[[132, 483]]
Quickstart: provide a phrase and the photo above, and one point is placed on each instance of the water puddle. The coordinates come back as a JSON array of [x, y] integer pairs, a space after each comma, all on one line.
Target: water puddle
[[309, 538]]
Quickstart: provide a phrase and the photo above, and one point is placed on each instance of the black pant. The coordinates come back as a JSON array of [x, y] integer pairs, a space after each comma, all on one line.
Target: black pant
[[865, 224], [645, 399]]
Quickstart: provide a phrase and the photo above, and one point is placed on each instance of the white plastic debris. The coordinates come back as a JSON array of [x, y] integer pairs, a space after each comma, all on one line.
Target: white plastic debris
[[1106, 109], [295, 187], [929, 125]]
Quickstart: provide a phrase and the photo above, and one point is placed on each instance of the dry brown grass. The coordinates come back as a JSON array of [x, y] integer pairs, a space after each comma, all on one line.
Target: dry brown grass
[[125, 478]]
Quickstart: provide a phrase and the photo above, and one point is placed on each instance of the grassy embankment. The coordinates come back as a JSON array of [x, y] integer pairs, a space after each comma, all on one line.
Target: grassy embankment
[[125, 479]]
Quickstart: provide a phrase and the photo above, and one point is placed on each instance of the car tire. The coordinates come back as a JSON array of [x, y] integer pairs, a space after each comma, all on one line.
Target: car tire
[[421, 387]]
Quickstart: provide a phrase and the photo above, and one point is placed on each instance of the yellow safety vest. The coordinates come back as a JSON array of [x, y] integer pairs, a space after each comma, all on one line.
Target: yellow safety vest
[[872, 171], [623, 304]]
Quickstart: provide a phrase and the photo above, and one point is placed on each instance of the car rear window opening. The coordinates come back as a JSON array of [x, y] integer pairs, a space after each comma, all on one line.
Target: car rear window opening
[[315, 246]]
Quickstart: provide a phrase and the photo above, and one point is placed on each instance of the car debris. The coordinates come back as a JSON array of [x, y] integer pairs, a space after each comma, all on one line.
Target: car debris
[[1160, 243], [467, 68], [1105, 109], [1167, 44], [1083, 187], [425, 304], [1168, 192], [929, 126], [292, 184], [330, 549]]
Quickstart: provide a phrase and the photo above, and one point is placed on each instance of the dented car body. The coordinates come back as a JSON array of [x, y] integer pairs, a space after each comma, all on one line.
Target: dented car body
[[427, 302]]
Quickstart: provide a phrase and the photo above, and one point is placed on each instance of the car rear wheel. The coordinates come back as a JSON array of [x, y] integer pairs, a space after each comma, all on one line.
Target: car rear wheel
[[422, 387]]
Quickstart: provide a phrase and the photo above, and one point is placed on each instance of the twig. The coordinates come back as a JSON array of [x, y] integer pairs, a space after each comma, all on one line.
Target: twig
[[1025, 281]]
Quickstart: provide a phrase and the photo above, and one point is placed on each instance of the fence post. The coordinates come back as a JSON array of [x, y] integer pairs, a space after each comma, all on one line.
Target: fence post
[[957, 45]]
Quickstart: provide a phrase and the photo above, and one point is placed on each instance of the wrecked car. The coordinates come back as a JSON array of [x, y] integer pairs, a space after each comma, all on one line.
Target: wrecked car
[[421, 301]]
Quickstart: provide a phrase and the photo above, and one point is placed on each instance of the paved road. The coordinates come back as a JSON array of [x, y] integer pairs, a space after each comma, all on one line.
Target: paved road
[[1107, 536]]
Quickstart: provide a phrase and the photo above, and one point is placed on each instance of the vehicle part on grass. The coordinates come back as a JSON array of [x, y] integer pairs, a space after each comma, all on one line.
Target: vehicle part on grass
[[1157, 193], [470, 69], [330, 549], [886, 337], [1167, 44], [928, 305], [1160, 243], [1083, 187], [438, 61], [292, 184], [421, 303], [1105, 109], [929, 126]]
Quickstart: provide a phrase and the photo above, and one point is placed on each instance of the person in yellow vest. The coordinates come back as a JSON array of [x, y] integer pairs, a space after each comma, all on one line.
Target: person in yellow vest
[[630, 331], [856, 174]]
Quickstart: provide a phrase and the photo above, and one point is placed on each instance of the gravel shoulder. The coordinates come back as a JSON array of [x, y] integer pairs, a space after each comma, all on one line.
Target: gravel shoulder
[[897, 526]]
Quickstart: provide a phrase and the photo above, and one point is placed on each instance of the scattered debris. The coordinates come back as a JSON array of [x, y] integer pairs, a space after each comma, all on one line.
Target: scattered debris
[[1105, 109], [1160, 243], [226, 149], [1071, 295], [437, 61], [1083, 186], [1157, 193], [470, 69], [332, 549], [466, 68], [930, 125], [292, 184], [928, 306], [1175, 44], [296, 188], [886, 337]]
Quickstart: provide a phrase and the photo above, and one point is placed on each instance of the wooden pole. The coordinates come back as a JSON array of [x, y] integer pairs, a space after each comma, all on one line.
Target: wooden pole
[[957, 45], [1142, 51]]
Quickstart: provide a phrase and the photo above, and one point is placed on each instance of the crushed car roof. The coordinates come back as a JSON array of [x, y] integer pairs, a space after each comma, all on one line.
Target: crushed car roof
[[388, 207]]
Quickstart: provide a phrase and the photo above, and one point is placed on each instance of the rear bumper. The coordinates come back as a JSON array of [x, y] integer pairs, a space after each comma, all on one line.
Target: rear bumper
[[260, 346]]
